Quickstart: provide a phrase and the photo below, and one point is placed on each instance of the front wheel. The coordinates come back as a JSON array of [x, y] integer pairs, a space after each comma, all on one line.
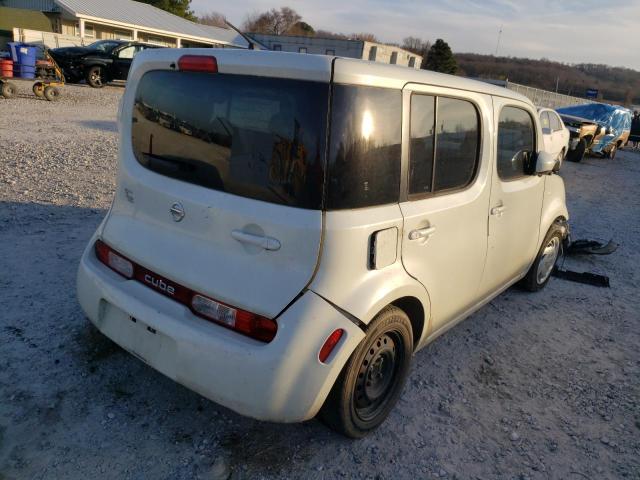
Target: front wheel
[[371, 382], [540, 272], [577, 154], [8, 89], [95, 76]]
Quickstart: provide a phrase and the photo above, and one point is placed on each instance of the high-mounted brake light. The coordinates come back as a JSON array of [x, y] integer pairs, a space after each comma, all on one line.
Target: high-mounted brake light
[[329, 344], [246, 323], [198, 63]]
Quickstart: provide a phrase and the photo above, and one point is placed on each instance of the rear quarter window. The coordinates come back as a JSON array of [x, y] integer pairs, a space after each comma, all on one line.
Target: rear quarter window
[[365, 147], [257, 137]]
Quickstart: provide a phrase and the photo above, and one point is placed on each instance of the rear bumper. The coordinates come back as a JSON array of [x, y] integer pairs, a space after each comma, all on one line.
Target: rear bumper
[[280, 381]]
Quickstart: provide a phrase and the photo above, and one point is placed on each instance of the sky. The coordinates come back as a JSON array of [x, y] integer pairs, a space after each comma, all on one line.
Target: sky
[[572, 31]]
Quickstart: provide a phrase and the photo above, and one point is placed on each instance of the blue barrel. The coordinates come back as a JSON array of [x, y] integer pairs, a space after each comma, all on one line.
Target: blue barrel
[[24, 57]]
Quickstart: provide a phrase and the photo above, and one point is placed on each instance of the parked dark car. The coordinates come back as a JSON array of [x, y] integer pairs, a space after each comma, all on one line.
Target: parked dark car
[[98, 63]]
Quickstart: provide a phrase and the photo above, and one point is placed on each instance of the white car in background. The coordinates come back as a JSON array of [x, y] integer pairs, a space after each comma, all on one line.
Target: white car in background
[[554, 134]]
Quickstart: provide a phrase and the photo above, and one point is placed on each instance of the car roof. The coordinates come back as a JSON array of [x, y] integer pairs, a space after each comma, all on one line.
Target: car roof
[[321, 68]]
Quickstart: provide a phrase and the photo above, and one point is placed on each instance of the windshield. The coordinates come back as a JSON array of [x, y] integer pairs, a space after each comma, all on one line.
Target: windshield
[[103, 45]]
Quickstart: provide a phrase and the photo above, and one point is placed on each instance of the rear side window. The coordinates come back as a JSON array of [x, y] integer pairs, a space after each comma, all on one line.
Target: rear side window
[[365, 145], [516, 140], [445, 139], [556, 125], [257, 137]]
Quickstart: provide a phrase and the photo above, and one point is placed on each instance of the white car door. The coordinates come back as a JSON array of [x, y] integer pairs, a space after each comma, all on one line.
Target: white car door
[[547, 132], [559, 136], [446, 188], [516, 196]]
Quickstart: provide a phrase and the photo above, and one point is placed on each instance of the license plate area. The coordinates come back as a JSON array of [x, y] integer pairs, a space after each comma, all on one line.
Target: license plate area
[[139, 338]]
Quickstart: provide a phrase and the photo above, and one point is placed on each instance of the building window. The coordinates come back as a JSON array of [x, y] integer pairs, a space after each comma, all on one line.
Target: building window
[[302, 50], [277, 48], [125, 35], [394, 58], [89, 31], [330, 52], [412, 62], [372, 54]]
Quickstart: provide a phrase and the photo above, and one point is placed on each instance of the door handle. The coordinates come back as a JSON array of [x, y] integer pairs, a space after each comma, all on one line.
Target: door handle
[[498, 211], [421, 233], [268, 243]]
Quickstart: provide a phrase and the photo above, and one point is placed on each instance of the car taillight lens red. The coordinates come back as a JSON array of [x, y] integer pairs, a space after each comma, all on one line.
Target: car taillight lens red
[[113, 260], [247, 323], [198, 63], [329, 344]]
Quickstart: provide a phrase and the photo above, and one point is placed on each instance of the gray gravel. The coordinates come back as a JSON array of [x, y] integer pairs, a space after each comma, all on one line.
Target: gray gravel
[[533, 386]]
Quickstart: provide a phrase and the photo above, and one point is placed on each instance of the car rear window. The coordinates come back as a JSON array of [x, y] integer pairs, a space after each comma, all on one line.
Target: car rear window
[[257, 137]]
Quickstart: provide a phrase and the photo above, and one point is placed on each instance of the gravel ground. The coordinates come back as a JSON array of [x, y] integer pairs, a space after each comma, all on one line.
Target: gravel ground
[[533, 386]]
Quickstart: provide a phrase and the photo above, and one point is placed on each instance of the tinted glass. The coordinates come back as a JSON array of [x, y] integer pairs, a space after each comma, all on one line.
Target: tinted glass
[[421, 149], [544, 120], [516, 140], [555, 122], [457, 143], [364, 155], [257, 137]]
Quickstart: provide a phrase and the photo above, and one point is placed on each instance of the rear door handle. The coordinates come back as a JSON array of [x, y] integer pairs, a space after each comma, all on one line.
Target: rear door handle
[[421, 233], [268, 243], [498, 211]]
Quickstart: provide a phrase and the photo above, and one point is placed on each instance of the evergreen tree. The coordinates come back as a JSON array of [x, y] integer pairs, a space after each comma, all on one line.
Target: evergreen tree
[[441, 59], [177, 7]]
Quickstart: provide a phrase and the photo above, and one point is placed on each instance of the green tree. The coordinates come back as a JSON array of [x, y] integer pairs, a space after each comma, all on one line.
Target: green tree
[[180, 8], [441, 59]]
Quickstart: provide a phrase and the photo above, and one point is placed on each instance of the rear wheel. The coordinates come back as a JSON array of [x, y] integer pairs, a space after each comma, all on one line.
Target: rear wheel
[[51, 93], [95, 76], [8, 89], [371, 382], [540, 272], [38, 89], [577, 154]]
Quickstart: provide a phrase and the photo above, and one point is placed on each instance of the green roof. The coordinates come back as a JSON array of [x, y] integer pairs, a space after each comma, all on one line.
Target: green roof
[[11, 18]]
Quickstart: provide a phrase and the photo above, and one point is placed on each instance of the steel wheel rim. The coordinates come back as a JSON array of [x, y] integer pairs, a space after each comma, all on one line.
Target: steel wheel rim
[[548, 260], [377, 375]]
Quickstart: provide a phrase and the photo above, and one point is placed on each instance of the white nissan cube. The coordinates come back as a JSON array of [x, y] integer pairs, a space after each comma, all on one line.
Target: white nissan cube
[[288, 230]]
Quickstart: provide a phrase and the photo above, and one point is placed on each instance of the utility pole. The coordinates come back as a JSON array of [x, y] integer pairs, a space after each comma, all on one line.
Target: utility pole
[[499, 36], [557, 83]]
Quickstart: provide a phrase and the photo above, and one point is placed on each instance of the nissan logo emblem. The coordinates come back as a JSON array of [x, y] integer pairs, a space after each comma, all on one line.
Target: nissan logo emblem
[[177, 212]]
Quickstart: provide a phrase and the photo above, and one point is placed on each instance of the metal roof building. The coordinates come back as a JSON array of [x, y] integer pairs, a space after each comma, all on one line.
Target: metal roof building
[[127, 19]]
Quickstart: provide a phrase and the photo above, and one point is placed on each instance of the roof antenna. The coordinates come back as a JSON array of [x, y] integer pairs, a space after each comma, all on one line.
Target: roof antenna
[[499, 36]]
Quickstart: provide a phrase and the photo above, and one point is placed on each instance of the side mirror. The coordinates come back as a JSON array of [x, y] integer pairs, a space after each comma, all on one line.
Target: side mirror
[[545, 163]]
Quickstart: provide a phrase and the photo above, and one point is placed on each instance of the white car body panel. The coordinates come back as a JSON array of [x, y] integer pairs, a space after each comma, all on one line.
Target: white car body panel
[[556, 140], [321, 278]]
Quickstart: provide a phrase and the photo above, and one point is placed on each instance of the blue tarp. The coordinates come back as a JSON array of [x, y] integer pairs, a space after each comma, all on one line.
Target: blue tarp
[[616, 119]]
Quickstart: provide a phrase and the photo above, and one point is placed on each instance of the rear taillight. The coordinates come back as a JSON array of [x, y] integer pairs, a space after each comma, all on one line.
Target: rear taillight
[[198, 63], [246, 323], [329, 344], [114, 260]]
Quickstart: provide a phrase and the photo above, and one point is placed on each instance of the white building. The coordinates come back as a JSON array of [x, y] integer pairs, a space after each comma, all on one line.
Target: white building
[[91, 20], [362, 49]]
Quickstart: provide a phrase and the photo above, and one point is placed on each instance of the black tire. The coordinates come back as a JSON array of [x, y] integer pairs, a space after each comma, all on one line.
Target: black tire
[[533, 280], [8, 89], [38, 89], [371, 382], [51, 93], [95, 76], [577, 154]]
